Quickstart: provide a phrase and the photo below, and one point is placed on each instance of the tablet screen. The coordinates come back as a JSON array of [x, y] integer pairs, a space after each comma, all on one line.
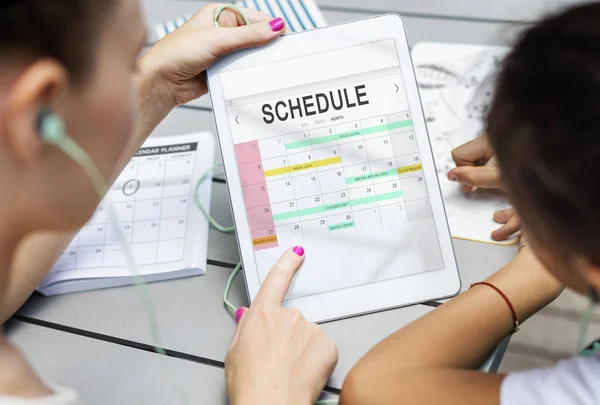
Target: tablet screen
[[329, 159]]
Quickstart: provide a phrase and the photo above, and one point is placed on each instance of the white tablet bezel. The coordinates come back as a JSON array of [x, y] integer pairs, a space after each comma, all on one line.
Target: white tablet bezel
[[363, 299]]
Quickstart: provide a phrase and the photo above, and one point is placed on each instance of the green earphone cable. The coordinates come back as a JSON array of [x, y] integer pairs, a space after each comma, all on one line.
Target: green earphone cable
[[53, 132], [583, 329], [220, 228], [232, 277], [211, 220]]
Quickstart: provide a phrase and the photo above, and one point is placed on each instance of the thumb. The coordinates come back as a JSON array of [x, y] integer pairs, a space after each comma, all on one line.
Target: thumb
[[239, 316], [247, 36]]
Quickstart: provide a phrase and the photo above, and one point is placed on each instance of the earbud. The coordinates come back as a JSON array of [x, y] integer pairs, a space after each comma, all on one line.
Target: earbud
[[50, 127], [52, 131]]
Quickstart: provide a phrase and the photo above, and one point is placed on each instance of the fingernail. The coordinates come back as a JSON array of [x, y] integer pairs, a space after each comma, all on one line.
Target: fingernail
[[277, 24], [238, 314], [299, 250], [452, 177]]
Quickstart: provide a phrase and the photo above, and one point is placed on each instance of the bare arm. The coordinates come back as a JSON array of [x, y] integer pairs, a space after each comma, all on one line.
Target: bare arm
[[430, 361], [37, 254]]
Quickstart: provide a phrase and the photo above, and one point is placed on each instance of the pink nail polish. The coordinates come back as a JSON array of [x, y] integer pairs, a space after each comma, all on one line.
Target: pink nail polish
[[238, 314], [299, 250], [277, 24]]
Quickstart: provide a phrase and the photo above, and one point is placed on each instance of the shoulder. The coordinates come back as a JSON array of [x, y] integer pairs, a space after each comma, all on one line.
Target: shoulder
[[574, 381]]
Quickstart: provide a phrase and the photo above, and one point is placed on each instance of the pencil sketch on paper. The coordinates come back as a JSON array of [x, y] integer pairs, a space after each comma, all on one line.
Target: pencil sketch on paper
[[456, 85]]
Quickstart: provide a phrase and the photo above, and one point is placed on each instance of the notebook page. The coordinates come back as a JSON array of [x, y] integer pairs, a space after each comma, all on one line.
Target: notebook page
[[456, 86], [154, 200]]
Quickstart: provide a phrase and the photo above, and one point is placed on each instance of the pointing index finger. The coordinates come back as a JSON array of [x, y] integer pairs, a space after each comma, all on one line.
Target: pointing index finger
[[480, 176], [279, 279]]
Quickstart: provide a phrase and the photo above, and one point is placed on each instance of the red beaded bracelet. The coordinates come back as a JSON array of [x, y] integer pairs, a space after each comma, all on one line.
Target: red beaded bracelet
[[510, 305]]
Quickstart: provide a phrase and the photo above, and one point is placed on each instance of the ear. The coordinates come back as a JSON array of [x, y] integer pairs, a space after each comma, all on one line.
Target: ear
[[38, 86]]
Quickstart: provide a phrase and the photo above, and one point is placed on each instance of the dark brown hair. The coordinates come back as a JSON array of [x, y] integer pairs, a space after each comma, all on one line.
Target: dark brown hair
[[544, 126], [65, 30]]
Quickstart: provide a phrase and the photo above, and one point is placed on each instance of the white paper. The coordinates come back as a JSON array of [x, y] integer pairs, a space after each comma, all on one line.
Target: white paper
[[154, 200], [456, 86]]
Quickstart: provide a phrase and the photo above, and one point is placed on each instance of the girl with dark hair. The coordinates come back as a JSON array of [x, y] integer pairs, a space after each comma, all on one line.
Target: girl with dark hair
[[544, 127]]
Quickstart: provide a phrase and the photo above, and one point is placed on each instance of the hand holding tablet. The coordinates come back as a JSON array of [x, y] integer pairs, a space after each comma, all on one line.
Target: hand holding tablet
[[325, 146]]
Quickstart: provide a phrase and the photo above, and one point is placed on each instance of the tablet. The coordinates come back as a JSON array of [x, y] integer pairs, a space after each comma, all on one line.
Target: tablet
[[325, 146]]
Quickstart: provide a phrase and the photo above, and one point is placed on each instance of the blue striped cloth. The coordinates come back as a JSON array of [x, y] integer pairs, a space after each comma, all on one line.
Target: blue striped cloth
[[299, 15]]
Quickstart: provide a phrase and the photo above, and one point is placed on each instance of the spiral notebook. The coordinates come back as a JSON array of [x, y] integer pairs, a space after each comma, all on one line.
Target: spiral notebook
[[154, 200]]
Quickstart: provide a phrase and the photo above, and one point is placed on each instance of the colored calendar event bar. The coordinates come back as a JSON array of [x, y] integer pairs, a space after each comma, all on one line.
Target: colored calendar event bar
[[385, 173], [265, 241], [331, 207], [349, 134], [254, 186], [342, 225], [409, 169], [371, 176], [337, 160], [303, 166]]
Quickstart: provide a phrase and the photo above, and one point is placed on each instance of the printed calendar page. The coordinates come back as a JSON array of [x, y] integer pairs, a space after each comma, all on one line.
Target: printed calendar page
[[153, 198], [333, 164]]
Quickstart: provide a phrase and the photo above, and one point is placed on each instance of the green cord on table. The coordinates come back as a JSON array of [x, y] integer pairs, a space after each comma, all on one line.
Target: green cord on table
[[211, 220], [232, 277], [220, 228]]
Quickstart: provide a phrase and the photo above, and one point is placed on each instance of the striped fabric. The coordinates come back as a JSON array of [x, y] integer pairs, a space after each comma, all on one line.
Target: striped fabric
[[299, 15]]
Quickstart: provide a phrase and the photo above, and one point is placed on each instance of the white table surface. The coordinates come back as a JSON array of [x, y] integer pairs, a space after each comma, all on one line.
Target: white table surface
[[106, 373], [192, 320]]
